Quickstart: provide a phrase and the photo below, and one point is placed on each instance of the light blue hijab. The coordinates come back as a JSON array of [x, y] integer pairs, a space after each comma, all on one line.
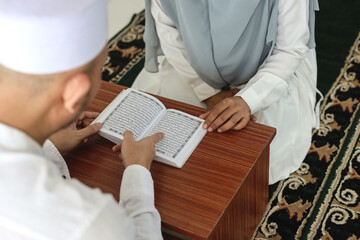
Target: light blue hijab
[[226, 41]]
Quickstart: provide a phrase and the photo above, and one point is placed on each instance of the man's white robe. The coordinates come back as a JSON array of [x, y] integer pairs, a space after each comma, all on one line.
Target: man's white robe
[[36, 202]]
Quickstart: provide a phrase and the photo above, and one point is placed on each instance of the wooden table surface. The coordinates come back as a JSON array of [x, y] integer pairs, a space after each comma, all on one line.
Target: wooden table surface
[[190, 200]]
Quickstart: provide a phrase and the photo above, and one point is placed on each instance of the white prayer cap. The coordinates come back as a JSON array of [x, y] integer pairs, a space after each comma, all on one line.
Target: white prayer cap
[[51, 36]]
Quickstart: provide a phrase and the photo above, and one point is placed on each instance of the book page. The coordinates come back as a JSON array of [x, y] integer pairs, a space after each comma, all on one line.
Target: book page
[[135, 112], [178, 127]]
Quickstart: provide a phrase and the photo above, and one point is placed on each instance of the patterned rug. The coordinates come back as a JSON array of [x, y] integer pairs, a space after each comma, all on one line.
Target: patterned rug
[[321, 200], [126, 53]]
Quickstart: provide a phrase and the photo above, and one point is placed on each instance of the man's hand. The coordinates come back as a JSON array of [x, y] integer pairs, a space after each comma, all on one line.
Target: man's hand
[[230, 113], [138, 152], [213, 100], [68, 138]]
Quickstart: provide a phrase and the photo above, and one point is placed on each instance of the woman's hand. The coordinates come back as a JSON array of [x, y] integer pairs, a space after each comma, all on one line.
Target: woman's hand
[[140, 152], [68, 138], [230, 113], [215, 99]]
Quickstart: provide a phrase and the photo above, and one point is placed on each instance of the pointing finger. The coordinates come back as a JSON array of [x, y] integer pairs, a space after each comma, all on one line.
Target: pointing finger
[[128, 135], [157, 137]]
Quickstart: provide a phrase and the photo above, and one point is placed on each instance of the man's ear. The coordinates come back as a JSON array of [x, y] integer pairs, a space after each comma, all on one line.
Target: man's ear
[[75, 91]]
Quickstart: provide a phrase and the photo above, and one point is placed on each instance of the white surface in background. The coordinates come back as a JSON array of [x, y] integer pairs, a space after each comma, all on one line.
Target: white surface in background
[[120, 13]]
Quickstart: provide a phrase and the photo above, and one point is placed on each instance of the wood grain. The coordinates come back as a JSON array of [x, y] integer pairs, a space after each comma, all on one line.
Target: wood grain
[[220, 192]]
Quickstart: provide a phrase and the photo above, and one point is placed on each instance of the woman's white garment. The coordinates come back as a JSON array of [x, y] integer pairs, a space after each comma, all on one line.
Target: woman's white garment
[[281, 94], [37, 203]]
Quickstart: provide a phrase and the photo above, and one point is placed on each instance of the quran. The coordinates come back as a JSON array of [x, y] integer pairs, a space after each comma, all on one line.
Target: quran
[[145, 115]]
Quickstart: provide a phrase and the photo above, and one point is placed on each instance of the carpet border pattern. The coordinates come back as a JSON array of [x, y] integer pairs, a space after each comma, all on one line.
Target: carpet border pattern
[[295, 208]]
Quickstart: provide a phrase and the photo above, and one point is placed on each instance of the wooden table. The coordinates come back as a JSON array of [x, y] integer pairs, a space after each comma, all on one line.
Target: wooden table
[[221, 191]]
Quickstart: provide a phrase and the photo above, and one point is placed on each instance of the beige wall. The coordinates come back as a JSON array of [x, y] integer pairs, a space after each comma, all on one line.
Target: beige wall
[[120, 13]]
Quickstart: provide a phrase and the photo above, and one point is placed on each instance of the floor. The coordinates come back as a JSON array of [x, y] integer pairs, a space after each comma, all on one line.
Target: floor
[[337, 26], [120, 13]]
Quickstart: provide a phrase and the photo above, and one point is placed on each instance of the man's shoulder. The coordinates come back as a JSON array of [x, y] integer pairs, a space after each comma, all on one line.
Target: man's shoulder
[[37, 200]]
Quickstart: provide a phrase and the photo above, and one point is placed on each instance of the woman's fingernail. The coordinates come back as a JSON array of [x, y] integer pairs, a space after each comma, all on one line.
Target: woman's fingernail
[[219, 130], [210, 129], [205, 126]]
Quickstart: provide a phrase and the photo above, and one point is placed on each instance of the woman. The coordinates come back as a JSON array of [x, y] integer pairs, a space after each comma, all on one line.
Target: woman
[[238, 58]]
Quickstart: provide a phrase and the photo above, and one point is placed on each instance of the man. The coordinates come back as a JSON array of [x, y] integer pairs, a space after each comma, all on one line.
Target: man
[[51, 55]]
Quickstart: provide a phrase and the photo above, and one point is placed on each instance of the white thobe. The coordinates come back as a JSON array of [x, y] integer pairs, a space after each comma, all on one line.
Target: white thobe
[[36, 202], [281, 94]]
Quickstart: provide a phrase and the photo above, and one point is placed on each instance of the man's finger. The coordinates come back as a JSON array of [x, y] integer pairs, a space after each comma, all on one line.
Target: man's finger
[[86, 122], [89, 131], [86, 118], [129, 136], [117, 148], [230, 123], [157, 137], [88, 115]]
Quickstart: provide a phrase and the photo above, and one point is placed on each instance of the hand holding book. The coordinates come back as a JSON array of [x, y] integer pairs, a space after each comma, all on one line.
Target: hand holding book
[[76, 133]]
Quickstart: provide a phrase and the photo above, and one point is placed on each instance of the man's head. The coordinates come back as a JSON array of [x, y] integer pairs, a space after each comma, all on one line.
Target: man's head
[[51, 57]]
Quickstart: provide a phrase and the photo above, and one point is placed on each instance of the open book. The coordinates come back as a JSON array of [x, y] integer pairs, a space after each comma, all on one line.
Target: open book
[[145, 115]]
